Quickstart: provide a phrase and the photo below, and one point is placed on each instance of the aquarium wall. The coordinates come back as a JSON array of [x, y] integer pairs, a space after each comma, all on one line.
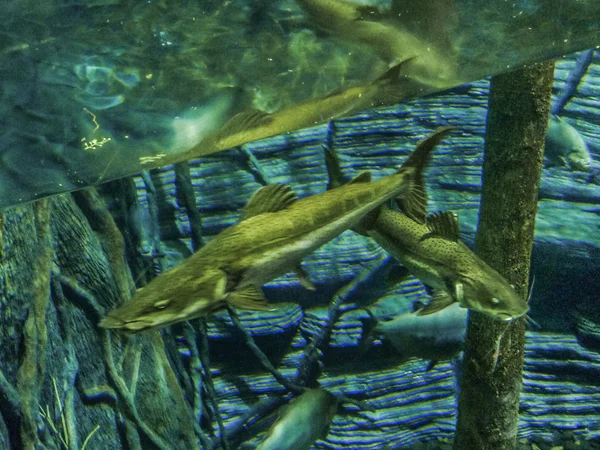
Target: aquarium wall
[[414, 403], [134, 133], [68, 260]]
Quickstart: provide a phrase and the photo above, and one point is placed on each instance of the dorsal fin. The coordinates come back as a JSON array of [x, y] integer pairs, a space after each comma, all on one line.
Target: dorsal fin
[[334, 171], [414, 205], [336, 91], [363, 177], [270, 198], [371, 13], [394, 72], [245, 121], [444, 224]]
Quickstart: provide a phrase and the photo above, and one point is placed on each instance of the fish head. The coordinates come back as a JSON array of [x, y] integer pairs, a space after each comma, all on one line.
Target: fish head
[[318, 404], [490, 293], [170, 298], [580, 160]]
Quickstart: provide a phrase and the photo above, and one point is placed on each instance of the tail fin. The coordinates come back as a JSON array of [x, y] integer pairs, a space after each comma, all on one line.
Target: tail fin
[[414, 205]]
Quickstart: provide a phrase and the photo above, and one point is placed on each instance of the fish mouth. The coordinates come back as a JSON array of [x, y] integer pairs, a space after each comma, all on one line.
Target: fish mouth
[[133, 326], [507, 317], [111, 323]]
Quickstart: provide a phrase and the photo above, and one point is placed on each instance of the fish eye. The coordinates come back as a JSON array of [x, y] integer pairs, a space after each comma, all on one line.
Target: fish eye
[[161, 304]]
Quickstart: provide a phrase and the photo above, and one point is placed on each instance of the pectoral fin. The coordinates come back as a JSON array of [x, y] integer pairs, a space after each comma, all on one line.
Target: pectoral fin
[[325, 432], [367, 223], [459, 292], [304, 280], [440, 300], [250, 298]]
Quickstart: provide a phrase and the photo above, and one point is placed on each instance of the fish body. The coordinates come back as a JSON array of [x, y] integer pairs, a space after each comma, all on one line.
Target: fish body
[[251, 126], [305, 420], [565, 146], [432, 252], [436, 337], [275, 233]]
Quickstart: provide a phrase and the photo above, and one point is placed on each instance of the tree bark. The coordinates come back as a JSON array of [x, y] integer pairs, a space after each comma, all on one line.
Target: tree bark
[[65, 383], [488, 407]]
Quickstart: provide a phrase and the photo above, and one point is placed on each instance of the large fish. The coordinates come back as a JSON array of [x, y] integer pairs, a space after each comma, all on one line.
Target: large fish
[[305, 420], [275, 233], [430, 248]]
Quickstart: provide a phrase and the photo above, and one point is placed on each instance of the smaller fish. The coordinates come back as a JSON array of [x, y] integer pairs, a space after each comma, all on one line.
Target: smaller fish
[[435, 337], [430, 248], [249, 126], [565, 146], [301, 423], [367, 26]]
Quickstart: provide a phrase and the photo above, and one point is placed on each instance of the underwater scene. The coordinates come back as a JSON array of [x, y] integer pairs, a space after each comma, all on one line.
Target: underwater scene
[[300, 224]]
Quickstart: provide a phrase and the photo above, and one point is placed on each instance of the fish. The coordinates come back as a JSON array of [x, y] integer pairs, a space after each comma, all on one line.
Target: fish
[[275, 233], [366, 25], [430, 248], [305, 420], [434, 337], [564, 146], [251, 125]]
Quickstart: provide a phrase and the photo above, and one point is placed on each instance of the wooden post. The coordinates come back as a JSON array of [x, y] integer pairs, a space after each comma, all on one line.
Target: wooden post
[[488, 407]]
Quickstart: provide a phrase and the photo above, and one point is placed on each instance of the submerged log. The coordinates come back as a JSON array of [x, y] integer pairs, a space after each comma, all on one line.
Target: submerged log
[[519, 104]]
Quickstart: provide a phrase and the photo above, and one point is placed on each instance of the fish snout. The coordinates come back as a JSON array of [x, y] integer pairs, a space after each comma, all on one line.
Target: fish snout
[[507, 316], [111, 323]]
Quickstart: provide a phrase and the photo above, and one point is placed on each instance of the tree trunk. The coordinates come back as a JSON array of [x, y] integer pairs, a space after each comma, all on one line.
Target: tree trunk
[[488, 407]]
